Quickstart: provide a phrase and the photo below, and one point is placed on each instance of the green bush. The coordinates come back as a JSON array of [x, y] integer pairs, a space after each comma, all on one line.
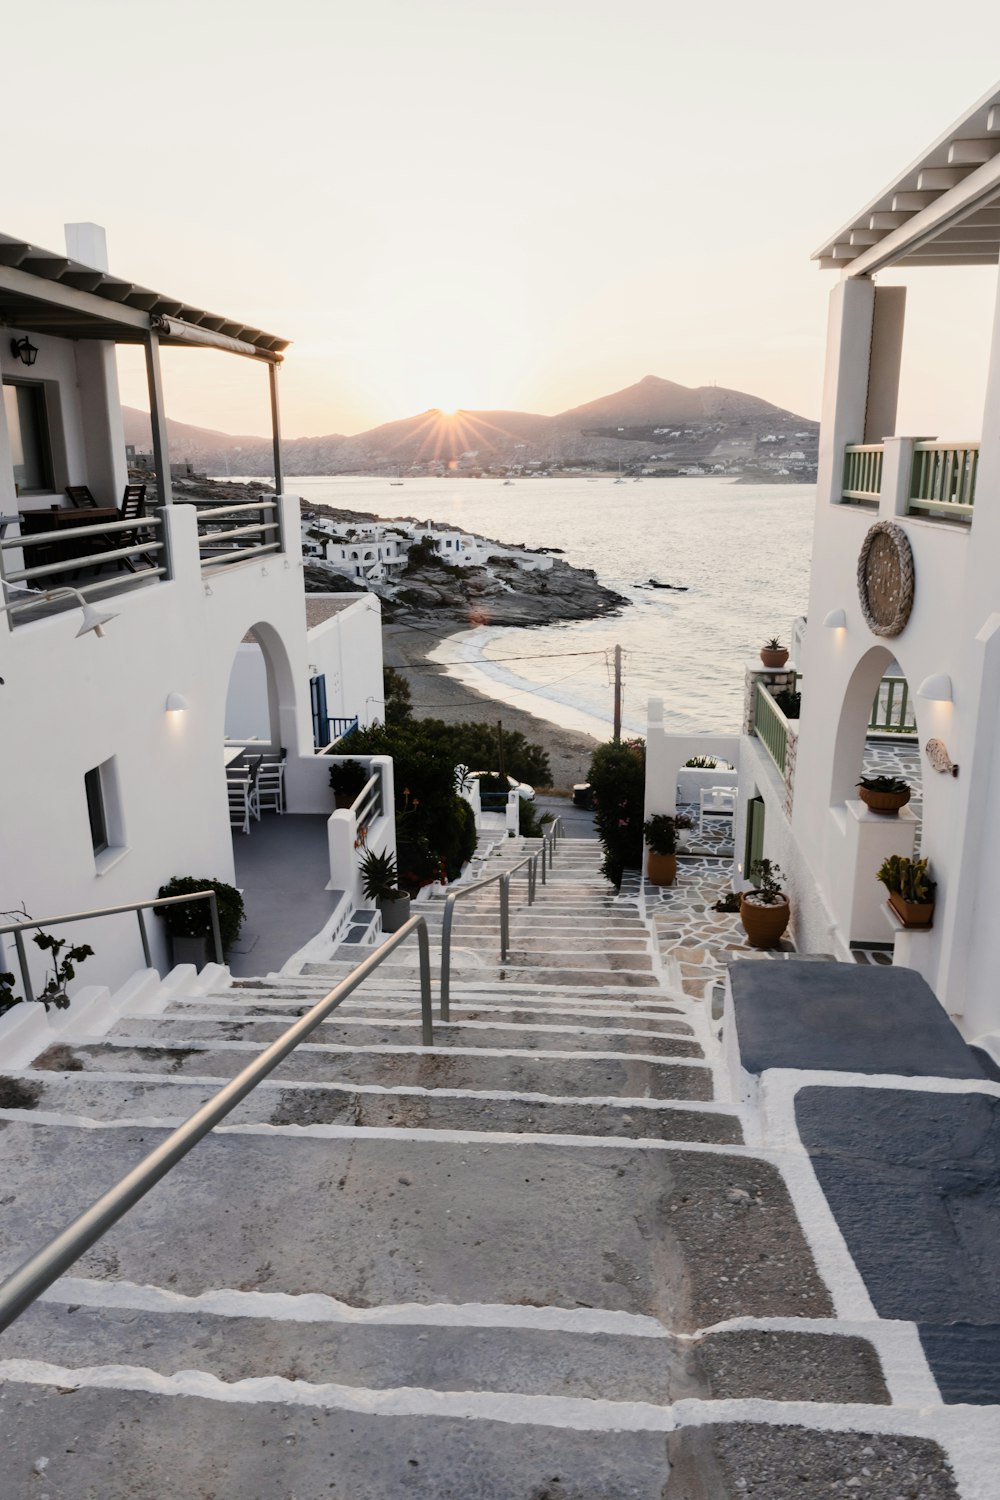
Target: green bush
[[194, 918], [617, 778]]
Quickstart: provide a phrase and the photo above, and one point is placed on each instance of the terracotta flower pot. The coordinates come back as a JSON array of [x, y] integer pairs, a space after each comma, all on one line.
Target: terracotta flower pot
[[912, 913], [661, 869], [763, 925], [774, 658], [884, 802]]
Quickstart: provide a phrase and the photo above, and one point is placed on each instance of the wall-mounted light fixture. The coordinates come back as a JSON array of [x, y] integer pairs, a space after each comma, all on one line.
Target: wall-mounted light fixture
[[24, 350], [836, 620], [936, 688], [93, 619], [176, 704]]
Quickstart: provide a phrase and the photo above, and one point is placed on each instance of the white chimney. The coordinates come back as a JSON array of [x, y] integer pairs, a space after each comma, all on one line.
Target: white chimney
[[87, 243]]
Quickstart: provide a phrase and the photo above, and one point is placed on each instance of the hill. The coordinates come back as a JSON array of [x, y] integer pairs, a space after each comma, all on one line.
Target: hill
[[654, 426]]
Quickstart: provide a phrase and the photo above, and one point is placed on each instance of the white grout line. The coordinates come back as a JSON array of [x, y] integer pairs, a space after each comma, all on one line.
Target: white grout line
[[317, 1307], [969, 1435]]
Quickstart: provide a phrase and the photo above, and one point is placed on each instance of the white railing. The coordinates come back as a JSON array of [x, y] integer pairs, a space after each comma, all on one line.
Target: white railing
[[943, 480], [862, 473]]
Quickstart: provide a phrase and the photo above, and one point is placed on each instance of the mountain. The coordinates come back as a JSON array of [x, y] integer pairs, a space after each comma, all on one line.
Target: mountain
[[655, 425]]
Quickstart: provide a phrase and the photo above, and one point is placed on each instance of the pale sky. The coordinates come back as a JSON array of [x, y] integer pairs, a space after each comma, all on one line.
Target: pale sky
[[521, 205]]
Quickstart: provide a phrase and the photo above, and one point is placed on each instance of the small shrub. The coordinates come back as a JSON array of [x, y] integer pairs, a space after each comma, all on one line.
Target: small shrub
[[194, 918]]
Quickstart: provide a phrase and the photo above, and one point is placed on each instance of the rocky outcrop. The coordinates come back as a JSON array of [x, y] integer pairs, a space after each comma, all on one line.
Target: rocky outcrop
[[502, 593]]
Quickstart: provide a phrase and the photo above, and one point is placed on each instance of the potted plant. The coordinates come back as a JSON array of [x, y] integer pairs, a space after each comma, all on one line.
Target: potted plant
[[380, 883], [190, 924], [773, 653], [911, 889], [884, 794], [764, 911], [347, 778], [660, 834]]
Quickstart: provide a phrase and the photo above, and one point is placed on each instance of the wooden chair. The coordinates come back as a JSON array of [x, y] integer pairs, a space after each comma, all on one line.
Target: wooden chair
[[271, 783], [716, 802], [238, 788], [133, 508], [80, 496]]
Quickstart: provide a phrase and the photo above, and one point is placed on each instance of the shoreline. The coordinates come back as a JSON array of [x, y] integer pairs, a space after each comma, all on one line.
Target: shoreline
[[437, 695]]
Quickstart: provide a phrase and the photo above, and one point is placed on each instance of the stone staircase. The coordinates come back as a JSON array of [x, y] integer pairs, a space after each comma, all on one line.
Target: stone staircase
[[534, 1262]]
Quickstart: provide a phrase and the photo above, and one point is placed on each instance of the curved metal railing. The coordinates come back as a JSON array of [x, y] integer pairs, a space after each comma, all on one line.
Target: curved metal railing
[[533, 862], [42, 1269]]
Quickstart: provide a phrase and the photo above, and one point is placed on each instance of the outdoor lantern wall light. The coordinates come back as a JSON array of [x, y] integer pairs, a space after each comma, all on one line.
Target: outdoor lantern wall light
[[24, 350], [93, 619], [176, 704], [936, 688], [836, 620]]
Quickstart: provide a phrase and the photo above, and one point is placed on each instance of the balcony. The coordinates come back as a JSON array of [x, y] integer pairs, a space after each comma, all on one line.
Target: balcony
[[940, 478], [891, 715]]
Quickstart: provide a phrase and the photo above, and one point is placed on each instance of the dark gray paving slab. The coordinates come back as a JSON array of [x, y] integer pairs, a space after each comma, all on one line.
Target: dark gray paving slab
[[584, 1075], [965, 1358], [533, 1038], [847, 1018], [160, 1098], [282, 867], [748, 1461], [599, 1366], [123, 1445], [688, 1237], [781, 1366], [913, 1180]]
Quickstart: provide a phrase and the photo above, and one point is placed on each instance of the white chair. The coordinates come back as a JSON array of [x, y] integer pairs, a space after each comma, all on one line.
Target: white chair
[[271, 784], [238, 788], [716, 802]]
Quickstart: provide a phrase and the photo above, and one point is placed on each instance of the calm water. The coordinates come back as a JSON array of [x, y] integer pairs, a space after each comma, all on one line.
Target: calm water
[[743, 551]]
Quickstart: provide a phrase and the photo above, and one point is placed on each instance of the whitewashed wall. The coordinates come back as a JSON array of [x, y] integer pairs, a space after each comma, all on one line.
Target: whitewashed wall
[[71, 704]]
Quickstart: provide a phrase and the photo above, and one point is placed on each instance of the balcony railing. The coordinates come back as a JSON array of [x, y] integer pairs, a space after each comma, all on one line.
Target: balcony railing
[[233, 533], [60, 555], [943, 480], [862, 473], [771, 727]]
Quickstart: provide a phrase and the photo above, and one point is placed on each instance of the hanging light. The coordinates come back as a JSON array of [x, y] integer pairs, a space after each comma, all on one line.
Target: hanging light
[[24, 350]]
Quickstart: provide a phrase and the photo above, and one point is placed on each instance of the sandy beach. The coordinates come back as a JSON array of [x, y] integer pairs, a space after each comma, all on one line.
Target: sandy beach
[[435, 695]]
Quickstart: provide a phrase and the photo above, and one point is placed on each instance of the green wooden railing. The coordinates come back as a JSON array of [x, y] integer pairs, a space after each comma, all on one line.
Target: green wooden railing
[[862, 473], [771, 727], [891, 710], [943, 480]]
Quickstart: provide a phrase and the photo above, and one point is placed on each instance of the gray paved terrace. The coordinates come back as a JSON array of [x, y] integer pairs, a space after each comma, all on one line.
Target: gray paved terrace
[[282, 867]]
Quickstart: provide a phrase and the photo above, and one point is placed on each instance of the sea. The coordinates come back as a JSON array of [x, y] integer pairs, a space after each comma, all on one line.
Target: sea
[[738, 555]]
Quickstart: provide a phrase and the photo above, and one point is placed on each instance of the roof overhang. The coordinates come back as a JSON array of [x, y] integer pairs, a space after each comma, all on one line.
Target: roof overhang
[[42, 292], [943, 210]]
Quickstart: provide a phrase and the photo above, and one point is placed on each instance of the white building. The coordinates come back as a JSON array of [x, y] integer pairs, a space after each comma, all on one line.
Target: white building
[[112, 751], [907, 537]]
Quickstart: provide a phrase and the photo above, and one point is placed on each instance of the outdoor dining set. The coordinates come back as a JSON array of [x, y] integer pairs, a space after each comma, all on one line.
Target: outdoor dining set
[[255, 783]]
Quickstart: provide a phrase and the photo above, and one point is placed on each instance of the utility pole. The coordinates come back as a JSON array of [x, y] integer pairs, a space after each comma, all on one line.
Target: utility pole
[[618, 694], [500, 748]]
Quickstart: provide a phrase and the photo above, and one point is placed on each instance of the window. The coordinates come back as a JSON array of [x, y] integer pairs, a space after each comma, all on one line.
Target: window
[[95, 810], [27, 425], [104, 810]]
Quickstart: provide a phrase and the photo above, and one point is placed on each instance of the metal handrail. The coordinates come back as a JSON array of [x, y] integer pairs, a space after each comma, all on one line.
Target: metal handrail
[[503, 879], [17, 928], [228, 510], [37, 1273]]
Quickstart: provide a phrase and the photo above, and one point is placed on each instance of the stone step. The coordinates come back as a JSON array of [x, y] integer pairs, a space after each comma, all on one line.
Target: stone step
[[638, 1020], [378, 987], [359, 1032], [688, 1236], [158, 1098], [583, 1075], [606, 963], [263, 1450], [241, 1342], [490, 973]]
